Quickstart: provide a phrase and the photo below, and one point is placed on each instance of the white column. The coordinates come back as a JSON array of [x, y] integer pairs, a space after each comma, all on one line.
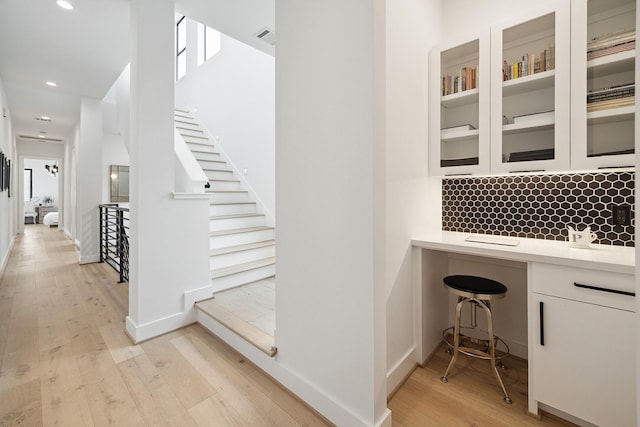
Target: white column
[[89, 180], [331, 298], [169, 238]]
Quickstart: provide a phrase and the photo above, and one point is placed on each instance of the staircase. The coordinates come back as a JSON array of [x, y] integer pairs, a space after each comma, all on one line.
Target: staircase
[[241, 245]]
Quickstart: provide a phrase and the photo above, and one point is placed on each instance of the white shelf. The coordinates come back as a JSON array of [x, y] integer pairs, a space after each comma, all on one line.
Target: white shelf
[[529, 83], [611, 64], [530, 126], [611, 115], [461, 98], [460, 136]]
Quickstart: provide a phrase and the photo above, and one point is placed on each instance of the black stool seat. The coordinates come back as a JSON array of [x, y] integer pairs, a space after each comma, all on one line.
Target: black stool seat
[[475, 285]]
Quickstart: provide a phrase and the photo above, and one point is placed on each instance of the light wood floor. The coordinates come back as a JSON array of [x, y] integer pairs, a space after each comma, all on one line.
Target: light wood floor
[[65, 360]]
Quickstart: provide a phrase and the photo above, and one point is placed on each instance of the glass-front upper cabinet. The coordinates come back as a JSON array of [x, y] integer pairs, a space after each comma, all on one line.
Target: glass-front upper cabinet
[[603, 83], [530, 90], [459, 108]]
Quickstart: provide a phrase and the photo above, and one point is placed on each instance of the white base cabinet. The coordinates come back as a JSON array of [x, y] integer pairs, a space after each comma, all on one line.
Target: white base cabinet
[[583, 344]]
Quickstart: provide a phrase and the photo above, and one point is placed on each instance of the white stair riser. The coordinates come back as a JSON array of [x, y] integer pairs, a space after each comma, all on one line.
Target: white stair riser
[[219, 174], [226, 240], [216, 165], [232, 209], [186, 123], [231, 281], [225, 185], [232, 197], [200, 145], [232, 223], [201, 156], [187, 132], [234, 258]]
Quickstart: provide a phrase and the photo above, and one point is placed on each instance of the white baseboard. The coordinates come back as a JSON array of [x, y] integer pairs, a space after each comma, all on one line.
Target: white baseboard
[[145, 331], [67, 233], [331, 409], [397, 374], [89, 259], [195, 295], [5, 260]]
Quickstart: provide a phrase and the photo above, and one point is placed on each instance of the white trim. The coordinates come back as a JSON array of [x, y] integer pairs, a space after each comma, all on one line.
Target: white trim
[[299, 386], [195, 295], [6, 257], [400, 370], [145, 331], [190, 196], [89, 259]]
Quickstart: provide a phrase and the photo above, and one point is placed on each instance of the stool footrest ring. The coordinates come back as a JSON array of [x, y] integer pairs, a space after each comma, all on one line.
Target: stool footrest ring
[[480, 348]]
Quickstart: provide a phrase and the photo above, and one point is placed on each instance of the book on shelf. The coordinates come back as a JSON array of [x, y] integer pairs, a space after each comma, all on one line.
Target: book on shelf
[[611, 103], [467, 161], [608, 44], [529, 64], [530, 155], [466, 79], [533, 117], [456, 129]]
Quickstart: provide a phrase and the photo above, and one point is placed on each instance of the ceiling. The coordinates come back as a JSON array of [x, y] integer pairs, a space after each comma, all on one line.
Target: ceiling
[[84, 50]]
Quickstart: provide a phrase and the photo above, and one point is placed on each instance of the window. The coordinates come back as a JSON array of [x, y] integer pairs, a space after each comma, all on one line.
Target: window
[[181, 48], [28, 184], [208, 43]]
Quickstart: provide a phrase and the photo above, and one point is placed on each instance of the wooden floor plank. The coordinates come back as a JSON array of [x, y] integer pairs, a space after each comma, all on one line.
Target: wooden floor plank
[[21, 405]]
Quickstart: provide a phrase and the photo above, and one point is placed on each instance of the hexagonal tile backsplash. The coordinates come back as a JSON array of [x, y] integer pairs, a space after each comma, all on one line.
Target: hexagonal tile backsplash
[[540, 206]]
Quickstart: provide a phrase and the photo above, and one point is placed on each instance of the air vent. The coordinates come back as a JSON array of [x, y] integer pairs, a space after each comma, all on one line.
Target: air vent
[[267, 35]]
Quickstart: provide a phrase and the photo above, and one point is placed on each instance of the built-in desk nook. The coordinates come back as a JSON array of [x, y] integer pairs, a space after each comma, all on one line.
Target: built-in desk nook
[[570, 312]]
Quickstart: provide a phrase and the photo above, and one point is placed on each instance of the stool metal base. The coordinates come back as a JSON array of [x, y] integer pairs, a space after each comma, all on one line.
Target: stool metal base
[[482, 349]]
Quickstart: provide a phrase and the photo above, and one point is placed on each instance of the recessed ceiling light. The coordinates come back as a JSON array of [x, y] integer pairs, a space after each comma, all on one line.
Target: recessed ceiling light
[[45, 118], [65, 4], [52, 84], [41, 136]]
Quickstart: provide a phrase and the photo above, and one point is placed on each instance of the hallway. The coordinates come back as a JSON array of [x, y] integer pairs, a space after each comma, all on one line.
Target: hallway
[[65, 360]]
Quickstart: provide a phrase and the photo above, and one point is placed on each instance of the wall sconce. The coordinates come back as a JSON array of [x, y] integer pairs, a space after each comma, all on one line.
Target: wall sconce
[[52, 169]]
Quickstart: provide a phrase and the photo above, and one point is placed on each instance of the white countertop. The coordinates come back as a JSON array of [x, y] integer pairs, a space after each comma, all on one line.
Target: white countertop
[[599, 257]]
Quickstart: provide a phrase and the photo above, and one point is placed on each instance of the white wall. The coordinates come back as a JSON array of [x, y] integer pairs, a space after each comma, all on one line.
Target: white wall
[[234, 95], [70, 183], [7, 204], [44, 184], [169, 237], [413, 200], [330, 323]]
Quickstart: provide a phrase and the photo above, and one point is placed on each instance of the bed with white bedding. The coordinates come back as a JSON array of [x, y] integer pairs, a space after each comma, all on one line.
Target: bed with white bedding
[[51, 219]]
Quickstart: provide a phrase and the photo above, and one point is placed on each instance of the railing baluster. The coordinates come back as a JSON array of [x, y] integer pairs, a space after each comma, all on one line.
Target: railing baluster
[[114, 241]]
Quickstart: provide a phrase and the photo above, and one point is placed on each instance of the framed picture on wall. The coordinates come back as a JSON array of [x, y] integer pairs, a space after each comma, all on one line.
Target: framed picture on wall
[[8, 178], [1, 171]]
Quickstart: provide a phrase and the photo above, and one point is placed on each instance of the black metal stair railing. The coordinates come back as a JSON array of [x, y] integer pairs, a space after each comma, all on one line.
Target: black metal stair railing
[[114, 238]]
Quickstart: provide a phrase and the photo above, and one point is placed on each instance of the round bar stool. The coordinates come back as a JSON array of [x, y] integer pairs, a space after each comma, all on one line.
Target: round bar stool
[[477, 291]]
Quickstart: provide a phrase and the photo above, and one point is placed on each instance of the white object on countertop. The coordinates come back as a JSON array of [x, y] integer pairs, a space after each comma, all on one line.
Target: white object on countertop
[[581, 239]]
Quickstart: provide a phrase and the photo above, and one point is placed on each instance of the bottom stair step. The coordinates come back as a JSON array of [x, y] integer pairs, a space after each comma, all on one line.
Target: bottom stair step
[[241, 274], [250, 333]]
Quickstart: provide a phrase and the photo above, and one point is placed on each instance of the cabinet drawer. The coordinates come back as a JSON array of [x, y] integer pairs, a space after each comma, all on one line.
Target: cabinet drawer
[[581, 284]]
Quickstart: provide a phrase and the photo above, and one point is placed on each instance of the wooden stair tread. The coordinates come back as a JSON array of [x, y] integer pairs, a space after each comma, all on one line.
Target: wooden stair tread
[[231, 203], [250, 333], [239, 268], [223, 180], [240, 230], [209, 190], [240, 248]]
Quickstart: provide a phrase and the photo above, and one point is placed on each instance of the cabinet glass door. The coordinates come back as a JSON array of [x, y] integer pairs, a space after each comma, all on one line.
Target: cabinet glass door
[[603, 83], [459, 123], [530, 85]]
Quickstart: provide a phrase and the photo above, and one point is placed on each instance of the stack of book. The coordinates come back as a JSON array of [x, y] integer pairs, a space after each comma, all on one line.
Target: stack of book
[[611, 97], [459, 162], [526, 156], [466, 79], [609, 44], [530, 64]]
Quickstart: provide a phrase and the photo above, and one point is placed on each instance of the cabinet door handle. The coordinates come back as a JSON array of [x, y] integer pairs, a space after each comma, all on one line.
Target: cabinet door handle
[[597, 288], [541, 323]]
